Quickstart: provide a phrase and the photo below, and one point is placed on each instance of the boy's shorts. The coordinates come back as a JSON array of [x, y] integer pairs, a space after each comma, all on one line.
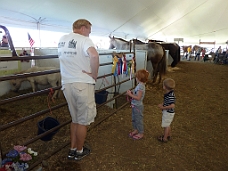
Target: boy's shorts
[[81, 102], [167, 118]]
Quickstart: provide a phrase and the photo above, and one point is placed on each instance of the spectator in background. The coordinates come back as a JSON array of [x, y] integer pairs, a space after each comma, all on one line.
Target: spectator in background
[[198, 53], [219, 51], [203, 52], [24, 52], [4, 42], [224, 52], [226, 58], [189, 53]]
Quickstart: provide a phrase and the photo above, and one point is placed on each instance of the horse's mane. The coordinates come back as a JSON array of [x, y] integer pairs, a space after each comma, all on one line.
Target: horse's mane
[[154, 41], [120, 39], [136, 41], [153, 44], [196, 46], [169, 43]]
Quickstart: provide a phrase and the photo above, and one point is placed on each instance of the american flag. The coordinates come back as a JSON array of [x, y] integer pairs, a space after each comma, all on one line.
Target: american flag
[[31, 41]]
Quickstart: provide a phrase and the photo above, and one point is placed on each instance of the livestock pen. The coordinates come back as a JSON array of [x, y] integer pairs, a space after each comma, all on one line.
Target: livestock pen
[[199, 129], [28, 109]]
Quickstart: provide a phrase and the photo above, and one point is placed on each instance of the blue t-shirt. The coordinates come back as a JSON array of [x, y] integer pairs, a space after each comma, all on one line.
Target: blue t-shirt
[[139, 87]]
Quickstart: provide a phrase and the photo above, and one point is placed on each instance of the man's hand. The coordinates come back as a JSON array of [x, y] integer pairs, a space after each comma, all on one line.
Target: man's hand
[[90, 74]]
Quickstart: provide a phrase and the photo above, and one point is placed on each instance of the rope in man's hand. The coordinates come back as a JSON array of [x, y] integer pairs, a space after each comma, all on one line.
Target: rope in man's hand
[[50, 97]]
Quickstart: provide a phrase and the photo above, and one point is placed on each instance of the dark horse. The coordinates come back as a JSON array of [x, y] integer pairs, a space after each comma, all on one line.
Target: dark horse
[[155, 54], [195, 49], [173, 48], [174, 51]]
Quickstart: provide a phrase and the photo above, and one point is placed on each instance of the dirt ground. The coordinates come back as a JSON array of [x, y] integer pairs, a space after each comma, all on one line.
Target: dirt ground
[[199, 130]]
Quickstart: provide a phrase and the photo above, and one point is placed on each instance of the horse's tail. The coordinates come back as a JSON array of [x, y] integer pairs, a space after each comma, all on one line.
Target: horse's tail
[[162, 64], [176, 57], [178, 53]]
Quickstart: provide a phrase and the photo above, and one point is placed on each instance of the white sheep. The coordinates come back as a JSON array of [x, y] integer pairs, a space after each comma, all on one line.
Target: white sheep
[[53, 80]]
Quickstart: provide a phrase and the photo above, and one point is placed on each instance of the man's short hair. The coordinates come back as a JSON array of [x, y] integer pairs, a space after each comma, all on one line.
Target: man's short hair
[[81, 22]]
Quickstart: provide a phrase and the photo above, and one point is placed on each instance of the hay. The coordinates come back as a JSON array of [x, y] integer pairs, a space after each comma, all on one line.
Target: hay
[[199, 140]]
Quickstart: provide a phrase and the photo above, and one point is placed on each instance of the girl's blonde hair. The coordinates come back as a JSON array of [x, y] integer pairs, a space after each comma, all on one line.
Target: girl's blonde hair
[[169, 83], [142, 75], [81, 22]]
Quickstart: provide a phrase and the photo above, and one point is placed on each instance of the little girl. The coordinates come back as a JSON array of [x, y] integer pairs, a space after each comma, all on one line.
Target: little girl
[[137, 104]]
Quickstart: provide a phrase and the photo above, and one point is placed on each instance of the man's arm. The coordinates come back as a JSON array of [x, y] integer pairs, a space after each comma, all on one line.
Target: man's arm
[[94, 62]]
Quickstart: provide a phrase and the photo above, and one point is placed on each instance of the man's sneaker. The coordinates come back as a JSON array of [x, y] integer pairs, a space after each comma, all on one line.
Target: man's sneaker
[[71, 154], [85, 152]]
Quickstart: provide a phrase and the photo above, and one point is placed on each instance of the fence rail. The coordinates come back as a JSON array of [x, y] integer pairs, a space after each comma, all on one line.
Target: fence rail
[[43, 112]]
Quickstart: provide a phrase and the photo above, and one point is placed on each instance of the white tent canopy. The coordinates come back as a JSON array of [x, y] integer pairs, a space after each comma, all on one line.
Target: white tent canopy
[[192, 20]]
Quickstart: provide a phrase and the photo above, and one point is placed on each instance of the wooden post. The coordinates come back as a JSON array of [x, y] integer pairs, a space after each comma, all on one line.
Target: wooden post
[[0, 155], [130, 45]]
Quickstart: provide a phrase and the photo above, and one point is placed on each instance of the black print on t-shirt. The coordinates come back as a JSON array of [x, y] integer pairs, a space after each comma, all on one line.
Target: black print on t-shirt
[[72, 44], [61, 44]]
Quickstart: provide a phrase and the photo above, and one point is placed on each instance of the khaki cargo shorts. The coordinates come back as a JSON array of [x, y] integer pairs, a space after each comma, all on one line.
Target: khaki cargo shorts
[[81, 102]]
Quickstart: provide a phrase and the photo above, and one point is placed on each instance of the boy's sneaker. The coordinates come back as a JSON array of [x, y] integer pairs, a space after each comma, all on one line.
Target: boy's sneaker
[[85, 152], [71, 154]]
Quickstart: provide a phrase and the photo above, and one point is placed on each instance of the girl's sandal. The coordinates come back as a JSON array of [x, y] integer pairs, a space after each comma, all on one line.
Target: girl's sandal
[[131, 134], [137, 137]]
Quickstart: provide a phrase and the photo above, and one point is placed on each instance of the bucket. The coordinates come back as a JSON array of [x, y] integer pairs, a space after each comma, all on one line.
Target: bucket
[[45, 125], [101, 97]]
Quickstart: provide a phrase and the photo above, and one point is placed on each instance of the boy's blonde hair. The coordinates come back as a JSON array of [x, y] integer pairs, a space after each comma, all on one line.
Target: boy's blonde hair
[[142, 75], [81, 22], [169, 83]]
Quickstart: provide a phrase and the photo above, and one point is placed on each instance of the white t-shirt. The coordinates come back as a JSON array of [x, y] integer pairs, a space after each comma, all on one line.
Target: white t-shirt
[[73, 56]]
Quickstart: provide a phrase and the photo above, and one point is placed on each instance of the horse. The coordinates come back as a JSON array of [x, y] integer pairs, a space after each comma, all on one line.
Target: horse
[[185, 48], [209, 57], [52, 79], [155, 54], [174, 49], [119, 43], [195, 48]]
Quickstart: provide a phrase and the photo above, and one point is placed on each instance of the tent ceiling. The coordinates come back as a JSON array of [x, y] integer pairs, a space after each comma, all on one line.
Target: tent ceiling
[[165, 20]]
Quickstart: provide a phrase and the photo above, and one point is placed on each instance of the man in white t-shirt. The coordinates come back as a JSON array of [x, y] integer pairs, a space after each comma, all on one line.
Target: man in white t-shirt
[[79, 64]]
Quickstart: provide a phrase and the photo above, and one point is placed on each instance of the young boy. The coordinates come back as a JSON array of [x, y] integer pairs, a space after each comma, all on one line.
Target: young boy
[[167, 108]]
